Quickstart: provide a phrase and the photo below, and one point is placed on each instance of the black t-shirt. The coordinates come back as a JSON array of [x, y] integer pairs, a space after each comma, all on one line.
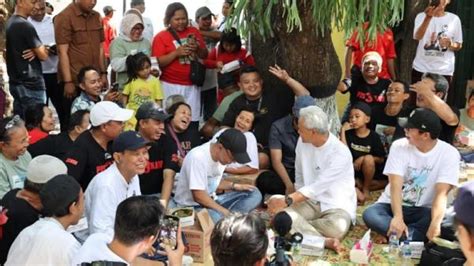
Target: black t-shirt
[[379, 121], [372, 94], [54, 145], [20, 215], [446, 134], [187, 139], [364, 146], [87, 158], [268, 109], [21, 35], [151, 181]]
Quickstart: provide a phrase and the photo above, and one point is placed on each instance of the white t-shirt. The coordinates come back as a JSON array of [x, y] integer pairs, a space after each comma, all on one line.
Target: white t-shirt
[[252, 150], [421, 171], [325, 175], [199, 172], [43, 243], [103, 195], [96, 249], [429, 55]]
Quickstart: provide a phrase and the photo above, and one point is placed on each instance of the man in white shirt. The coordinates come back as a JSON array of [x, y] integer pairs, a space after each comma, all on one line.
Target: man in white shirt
[[116, 183], [137, 223], [439, 35], [201, 175], [421, 170], [325, 199], [46, 242]]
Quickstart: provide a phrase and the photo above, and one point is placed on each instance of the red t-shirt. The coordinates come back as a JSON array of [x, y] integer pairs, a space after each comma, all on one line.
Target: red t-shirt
[[36, 134], [178, 71], [109, 34], [384, 45], [215, 56]]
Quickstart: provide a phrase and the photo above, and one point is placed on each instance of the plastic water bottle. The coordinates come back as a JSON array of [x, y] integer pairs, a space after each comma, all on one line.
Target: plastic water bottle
[[406, 253], [393, 246]]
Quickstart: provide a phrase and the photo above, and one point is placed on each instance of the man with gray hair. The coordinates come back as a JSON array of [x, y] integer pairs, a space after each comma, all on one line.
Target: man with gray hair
[[325, 199]]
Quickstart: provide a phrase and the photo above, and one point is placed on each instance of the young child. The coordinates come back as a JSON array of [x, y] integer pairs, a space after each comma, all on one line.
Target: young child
[[141, 86], [367, 151]]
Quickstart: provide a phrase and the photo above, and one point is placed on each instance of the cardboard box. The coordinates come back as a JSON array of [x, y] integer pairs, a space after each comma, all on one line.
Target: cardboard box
[[181, 213], [243, 179], [198, 237]]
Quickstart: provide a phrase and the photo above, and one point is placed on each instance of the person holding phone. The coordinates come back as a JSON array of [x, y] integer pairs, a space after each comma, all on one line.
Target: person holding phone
[[175, 47], [137, 223], [439, 35]]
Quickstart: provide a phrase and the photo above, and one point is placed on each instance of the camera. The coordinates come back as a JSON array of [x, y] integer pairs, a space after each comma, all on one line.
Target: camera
[[283, 242]]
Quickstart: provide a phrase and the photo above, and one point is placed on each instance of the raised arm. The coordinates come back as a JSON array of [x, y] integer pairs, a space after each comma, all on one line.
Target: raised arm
[[297, 88]]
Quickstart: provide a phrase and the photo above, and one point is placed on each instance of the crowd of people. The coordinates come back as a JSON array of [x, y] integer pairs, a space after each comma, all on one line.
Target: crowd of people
[[186, 107]]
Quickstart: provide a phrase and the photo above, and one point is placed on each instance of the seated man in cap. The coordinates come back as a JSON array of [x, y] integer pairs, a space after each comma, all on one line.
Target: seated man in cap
[[324, 202], [151, 126], [421, 170], [46, 242], [24, 205], [90, 153], [118, 182], [201, 175], [464, 221], [137, 223]]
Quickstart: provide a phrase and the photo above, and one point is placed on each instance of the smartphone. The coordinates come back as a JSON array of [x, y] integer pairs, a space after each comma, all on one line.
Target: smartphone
[[115, 87], [169, 231]]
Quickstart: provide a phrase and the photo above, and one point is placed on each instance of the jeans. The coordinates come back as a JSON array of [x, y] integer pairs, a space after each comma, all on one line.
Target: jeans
[[23, 97], [378, 216]]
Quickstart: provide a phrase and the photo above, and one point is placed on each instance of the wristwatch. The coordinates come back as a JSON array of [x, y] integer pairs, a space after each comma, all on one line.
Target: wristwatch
[[288, 201]]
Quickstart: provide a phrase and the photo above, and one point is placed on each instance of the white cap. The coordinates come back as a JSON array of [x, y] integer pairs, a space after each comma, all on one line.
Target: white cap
[[43, 168], [106, 111]]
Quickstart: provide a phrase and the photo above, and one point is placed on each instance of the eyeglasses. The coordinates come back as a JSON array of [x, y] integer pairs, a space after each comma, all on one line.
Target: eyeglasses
[[15, 120]]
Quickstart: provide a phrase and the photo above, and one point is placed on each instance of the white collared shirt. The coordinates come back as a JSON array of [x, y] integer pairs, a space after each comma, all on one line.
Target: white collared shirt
[[103, 195], [43, 243], [325, 175]]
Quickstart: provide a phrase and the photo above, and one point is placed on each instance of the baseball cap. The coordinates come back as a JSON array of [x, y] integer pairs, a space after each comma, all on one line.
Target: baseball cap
[[105, 111], [44, 167], [129, 140], [302, 102], [58, 193], [365, 108], [235, 141], [108, 9], [422, 119], [151, 110], [203, 12], [463, 204], [225, 80]]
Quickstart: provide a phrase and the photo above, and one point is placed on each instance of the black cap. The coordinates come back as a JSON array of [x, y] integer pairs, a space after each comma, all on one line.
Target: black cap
[[108, 9], [203, 12], [235, 141], [365, 108], [225, 80], [463, 204], [129, 140], [57, 194], [151, 110], [422, 119]]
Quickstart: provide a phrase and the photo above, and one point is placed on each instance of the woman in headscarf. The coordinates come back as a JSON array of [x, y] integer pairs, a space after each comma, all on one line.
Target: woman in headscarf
[[129, 42]]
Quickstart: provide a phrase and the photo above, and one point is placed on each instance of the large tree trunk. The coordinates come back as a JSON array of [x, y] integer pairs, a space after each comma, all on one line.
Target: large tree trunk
[[308, 56]]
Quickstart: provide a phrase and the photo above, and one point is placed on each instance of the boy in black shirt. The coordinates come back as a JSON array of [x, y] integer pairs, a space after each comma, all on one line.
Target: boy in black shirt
[[367, 151]]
